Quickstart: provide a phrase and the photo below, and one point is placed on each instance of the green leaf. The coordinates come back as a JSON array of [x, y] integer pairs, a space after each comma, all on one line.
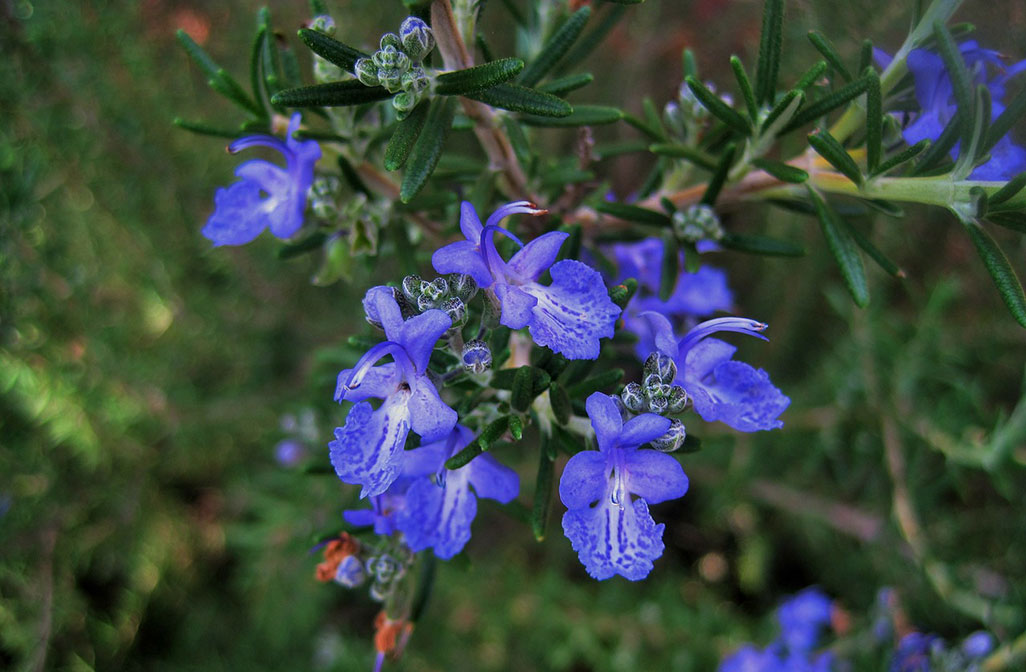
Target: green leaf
[[633, 213], [826, 47], [652, 119], [428, 148], [590, 40], [505, 379], [555, 48], [564, 85], [1013, 187], [782, 171], [901, 157], [811, 75], [517, 138], [405, 136], [875, 254], [828, 103], [874, 122], [582, 115], [594, 383], [516, 98], [523, 383], [788, 105], [255, 81], [961, 82], [770, 42], [313, 242], [719, 178], [1005, 121], [938, 150], [560, 400], [478, 78], [219, 79], [1016, 221], [695, 156], [642, 125], [843, 248], [717, 107], [543, 488], [624, 292], [203, 129], [334, 94], [1000, 270], [745, 85], [669, 270], [764, 245], [331, 49], [838, 157]]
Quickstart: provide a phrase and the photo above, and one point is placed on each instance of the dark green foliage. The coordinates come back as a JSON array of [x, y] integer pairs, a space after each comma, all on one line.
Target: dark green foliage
[[331, 49], [479, 77], [831, 150], [633, 213], [405, 137], [582, 115], [428, 148], [555, 48], [717, 107], [781, 171], [770, 46], [516, 98], [345, 93], [826, 47], [1000, 270], [843, 248]]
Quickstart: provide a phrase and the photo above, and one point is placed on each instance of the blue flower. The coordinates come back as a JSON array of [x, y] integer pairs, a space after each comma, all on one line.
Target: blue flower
[[438, 513], [915, 651], [935, 95], [267, 196], [368, 450], [802, 619], [721, 388], [611, 531], [569, 316]]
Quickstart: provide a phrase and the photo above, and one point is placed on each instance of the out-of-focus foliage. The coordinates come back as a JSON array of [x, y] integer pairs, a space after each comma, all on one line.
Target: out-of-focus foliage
[[144, 520]]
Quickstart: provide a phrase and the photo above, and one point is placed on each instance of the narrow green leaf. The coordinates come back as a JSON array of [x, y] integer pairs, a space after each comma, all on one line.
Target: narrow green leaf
[[1005, 121], [1000, 270], [874, 253], [218, 78], [717, 107], [312, 242], [353, 178], [564, 85], [865, 55], [782, 171], [428, 148], [811, 76], [543, 488], [198, 54], [831, 150], [633, 213], [844, 250], [770, 43], [555, 48], [745, 85], [592, 39], [405, 136], [719, 178], [874, 121], [331, 49], [695, 156], [505, 379], [688, 63], [486, 52], [289, 64], [334, 94], [478, 78], [783, 111], [828, 103], [901, 157], [961, 82], [652, 117], [624, 292], [255, 81], [463, 458], [938, 151], [516, 98], [203, 129], [1013, 187], [517, 138], [1016, 221], [560, 400], [764, 245], [270, 62], [597, 382], [642, 125], [669, 270], [582, 115], [826, 47]]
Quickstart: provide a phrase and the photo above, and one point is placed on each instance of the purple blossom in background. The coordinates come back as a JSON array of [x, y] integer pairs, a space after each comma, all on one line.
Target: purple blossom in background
[[721, 388], [569, 316], [368, 450], [935, 95], [695, 295], [289, 452], [611, 531], [802, 619], [438, 513], [267, 196]]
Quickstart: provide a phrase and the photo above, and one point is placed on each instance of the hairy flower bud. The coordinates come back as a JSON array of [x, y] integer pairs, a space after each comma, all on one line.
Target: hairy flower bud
[[323, 23], [662, 366], [366, 72], [415, 81], [425, 302], [390, 41], [698, 222], [322, 196], [417, 38], [456, 310], [477, 356], [673, 439], [404, 103], [411, 287], [351, 572], [462, 285], [677, 399], [652, 383], [658, 404], [634, 398]]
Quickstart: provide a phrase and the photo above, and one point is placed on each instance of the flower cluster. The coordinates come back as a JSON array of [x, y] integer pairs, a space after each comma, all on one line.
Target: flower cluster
[[396, 64]]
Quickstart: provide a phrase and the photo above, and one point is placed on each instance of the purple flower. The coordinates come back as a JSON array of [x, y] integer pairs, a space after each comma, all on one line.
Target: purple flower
[[915, 651], [438, 513], [721, 388], [802, 618], [267, 196], [935, 95], [368, 450], [611, 531], [569, 316]]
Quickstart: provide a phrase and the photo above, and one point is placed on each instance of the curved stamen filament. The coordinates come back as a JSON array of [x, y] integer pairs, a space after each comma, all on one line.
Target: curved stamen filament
[[493, 260], [371, 357], [514, 208], [741, 325]]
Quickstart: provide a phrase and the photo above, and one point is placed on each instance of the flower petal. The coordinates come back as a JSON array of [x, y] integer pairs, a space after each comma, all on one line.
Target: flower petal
[[470, 223], [463, 256], [438, 517], [737, 395], [662, 333], [655, 476], [574, 312], [642, 429], [605, 419], [419, 334], [238, 217], [536, 257], [429, 415], [367, 451], [584, 480], [380, 306], [492, 480], [379, 382], [610, 539], [517, 306]]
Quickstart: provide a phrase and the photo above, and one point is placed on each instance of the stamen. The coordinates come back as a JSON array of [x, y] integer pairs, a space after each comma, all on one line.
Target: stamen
[[741, 325], [493, 260], [514, 208], [259, 141], [369, 359]]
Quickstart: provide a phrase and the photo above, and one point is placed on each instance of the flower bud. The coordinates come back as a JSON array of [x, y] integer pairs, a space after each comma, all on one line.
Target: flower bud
[[677, 399], [385, 568], [404, 103], [661, 365], [323, 23], [440, 287], [634, 398], [366, 71], [417, 38], [322, 196], [425, 302], [477, 356], [411, 287], [698, 222], [325, 71], [415, 81], [462, 285], [390, 41], [652, 382], [350, 572], [456, 310], [391, 79], [379, 591], [658, 404], [673, 439]]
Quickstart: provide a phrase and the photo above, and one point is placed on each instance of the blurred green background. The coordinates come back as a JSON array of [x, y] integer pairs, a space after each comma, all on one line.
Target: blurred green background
[[145, 378]]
